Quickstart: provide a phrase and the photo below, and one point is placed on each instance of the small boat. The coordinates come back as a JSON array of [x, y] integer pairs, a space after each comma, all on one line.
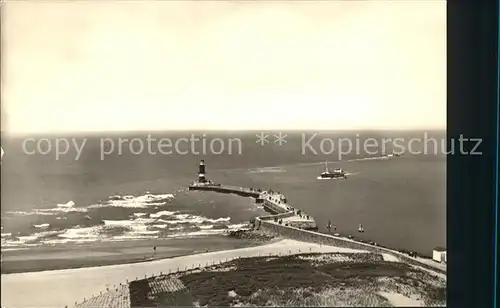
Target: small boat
[[360, 229], [394, 154]]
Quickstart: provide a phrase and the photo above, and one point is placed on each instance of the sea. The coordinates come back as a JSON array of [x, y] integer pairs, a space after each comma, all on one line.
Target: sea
[[97, 187]]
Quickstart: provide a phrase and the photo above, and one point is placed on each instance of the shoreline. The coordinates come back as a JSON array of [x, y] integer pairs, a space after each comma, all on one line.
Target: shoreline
[[96, 254], [43, 259], [68, 286]]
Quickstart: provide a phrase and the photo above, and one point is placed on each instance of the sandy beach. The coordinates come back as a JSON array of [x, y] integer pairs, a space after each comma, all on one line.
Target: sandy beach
[[59, 288], [112, 253]]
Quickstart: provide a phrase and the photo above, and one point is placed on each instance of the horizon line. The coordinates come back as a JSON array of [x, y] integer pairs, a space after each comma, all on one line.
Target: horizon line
[[199, 130]]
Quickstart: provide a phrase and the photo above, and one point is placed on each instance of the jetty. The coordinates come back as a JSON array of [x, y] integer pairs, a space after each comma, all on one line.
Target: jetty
[[290, 222], [226, 189], [273, 202]]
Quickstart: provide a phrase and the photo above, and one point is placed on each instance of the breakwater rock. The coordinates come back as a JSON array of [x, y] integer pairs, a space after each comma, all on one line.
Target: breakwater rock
[[257, 235]]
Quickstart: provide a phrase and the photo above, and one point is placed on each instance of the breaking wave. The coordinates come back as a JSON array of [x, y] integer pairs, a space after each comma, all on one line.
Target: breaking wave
[[67, 207], [156, 220], [135, 202], [144, 201], [42, 226]]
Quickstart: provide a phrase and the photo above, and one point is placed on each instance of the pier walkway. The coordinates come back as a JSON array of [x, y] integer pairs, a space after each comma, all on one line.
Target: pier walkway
[[287, 218], [228, 189], [273, 202]]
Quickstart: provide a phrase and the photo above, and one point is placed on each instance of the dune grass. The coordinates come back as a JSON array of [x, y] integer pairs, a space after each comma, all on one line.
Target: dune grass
[[301, 280]]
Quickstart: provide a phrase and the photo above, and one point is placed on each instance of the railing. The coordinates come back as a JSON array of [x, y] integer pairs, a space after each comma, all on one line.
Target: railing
[[326, 239], [287, 231], [277, 216], [93, 300]]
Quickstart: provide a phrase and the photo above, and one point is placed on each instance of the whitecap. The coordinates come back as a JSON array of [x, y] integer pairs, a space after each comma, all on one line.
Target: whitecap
[[67, 207], [42, 226], [206, 227], [81, 233], [143, 201], [161, 213]]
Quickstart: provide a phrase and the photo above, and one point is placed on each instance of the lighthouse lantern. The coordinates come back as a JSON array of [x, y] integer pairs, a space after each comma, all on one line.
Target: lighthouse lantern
[[201, 172]]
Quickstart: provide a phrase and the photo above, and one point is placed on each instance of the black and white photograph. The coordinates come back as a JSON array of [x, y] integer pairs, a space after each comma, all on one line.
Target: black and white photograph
[[224, 153]]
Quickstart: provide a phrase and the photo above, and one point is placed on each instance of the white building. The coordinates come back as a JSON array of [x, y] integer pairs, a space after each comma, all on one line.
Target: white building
[[439, 255]]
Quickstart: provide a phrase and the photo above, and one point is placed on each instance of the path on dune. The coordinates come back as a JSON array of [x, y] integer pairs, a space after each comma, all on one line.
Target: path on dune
[[61, 288]]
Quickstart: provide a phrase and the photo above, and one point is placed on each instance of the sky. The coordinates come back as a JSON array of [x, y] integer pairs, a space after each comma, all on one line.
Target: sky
[[168, 65]]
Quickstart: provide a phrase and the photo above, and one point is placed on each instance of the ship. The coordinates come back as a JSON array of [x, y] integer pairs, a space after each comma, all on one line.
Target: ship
[[332, 174]]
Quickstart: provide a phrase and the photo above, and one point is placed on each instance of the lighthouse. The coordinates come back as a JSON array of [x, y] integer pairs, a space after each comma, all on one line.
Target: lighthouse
[[201, 172]]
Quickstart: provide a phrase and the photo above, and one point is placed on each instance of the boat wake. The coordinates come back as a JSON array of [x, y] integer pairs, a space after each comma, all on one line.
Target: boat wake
[[354, 173], [368, 158], [267, 170], [280, 168], [328, 179]]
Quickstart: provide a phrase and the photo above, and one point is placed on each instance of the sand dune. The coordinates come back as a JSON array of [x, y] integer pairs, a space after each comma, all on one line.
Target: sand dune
[[63, 287], [399, 300]]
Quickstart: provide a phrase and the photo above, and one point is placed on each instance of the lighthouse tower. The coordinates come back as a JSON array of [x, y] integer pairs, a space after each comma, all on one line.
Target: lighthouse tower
[[201, 172]]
